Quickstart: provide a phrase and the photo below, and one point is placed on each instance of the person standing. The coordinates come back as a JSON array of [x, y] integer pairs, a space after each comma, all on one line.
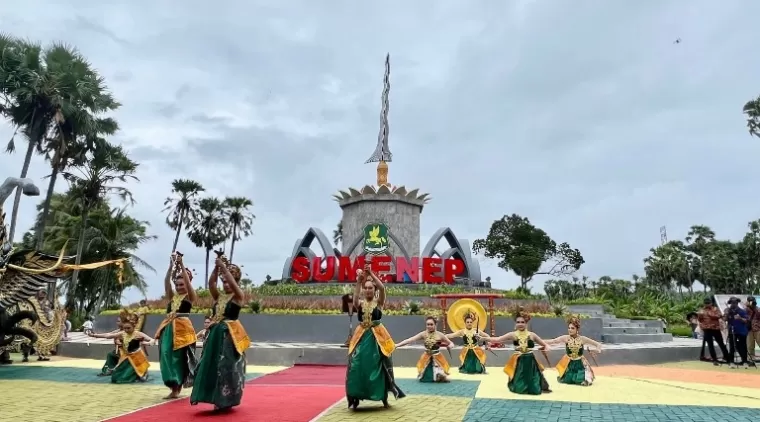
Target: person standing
[[753, 337], [220, 376], [175, 335], [369, 375], [709, 318], [737, 337]]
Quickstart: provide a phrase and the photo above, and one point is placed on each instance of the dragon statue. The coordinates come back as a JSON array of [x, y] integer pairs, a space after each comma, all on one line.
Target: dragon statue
[[27, 318]]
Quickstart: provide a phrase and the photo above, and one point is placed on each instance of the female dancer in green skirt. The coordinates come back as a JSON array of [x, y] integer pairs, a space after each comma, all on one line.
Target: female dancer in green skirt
[[220, 376], [112, 358], [369, 375], [432, 365], [522, 368], [176, 335], [472, 357], [573, 368], [133, 364]]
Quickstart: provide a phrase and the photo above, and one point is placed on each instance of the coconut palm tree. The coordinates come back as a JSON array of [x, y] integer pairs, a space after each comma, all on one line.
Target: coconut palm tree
[[102, 174], [239, 219], [111, 234], [183, 206], [72, 139], [41, 88], [208, 229], [752, 110], [338, 233]]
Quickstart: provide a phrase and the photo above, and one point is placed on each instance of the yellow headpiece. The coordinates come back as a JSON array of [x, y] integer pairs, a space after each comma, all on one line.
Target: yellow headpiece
[[128, 316], [575, 321], [469, 314]]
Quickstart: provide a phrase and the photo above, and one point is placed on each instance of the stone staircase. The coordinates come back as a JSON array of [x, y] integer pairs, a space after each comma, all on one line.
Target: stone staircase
[[619, 331]]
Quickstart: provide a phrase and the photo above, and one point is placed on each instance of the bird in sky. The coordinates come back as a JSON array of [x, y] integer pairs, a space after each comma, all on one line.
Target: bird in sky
[[677, 41]]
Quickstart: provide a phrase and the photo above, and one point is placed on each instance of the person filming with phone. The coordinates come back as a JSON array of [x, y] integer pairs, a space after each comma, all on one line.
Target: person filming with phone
[[737, 319]]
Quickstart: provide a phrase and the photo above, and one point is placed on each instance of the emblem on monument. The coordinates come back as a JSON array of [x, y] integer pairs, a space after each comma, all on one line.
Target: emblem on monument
[[375, 238]]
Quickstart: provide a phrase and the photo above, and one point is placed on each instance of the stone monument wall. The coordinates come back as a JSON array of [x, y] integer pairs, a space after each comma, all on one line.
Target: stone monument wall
[[401, 215]]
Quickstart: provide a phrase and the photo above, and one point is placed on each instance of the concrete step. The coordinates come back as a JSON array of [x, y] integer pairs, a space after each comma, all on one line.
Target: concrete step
[[631, 330], [606, 320], [636, 338], [623, 325]]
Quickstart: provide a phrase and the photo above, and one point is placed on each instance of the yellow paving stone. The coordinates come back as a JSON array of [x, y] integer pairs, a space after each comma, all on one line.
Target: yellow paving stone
[[412, 409], [625, 391]]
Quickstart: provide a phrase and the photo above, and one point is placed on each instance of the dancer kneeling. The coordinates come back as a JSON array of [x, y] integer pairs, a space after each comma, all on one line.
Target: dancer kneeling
[[522, 368], [472, 357], [220, 376], [112, 358], [369, 375], [573, 368], [175, 334], [432, 366], [133, 364]]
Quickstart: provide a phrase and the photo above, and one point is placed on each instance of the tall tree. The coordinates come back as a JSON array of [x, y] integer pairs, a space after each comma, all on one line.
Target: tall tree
[[752, 110], [183, 206], [104, 173], [209, 228], [239, 219], [526, 250], [338, 234], [111, 234], [40, 88]]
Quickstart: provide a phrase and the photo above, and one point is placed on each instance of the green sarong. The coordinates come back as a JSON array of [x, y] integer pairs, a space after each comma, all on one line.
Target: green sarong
[[527, 379], [112, 359], [220, 376], [177, 366], [369, 375], [472, 364], [575, 373]]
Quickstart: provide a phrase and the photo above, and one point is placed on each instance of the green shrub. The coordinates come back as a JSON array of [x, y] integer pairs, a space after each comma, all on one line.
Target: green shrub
[[679, 330], [255, 306]]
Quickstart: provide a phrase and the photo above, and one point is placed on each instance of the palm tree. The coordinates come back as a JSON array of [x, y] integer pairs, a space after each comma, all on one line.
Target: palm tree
[[239, 219], [99, 176], [73, 138], [183, 206], [41, 88], [338, 233], [111, 234], [208, 229], [752, 110]]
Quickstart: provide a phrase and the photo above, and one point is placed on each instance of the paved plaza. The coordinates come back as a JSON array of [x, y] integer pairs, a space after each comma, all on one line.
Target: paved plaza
[[66, 390]]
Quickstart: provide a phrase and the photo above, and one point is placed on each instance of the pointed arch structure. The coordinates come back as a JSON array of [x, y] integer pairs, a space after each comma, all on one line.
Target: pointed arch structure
[[457, 248], [303, 248]]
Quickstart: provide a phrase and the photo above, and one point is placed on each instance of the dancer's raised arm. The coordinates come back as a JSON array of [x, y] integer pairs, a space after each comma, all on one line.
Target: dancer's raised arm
[[237, 293], [168, 290]]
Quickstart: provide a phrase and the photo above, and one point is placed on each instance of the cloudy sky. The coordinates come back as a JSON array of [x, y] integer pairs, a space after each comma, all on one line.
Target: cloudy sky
[[583, 116]]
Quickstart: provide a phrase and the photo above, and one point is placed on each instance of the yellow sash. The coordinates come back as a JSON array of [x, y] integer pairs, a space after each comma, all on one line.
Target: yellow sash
[[481, 355], [239, 337], [425, 360], [184, 334], [383, 337], [511, 365], [138, 360]]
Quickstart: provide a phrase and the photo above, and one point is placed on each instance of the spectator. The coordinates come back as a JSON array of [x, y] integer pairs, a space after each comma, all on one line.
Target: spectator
[[753, 338], [87, 326], [709, 321], [693, 323], [737, 319]]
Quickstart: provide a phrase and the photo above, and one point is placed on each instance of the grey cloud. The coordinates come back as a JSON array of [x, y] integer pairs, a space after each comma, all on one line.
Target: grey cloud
[[584, 117]]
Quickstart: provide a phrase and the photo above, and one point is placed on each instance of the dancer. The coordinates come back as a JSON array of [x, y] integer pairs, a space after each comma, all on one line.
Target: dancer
[[220, 376], [112, 358], [522, 368], [472, 357], [432, 366], [369, 375], [201, 335], [573, 368], [133, 364], [175, 335]]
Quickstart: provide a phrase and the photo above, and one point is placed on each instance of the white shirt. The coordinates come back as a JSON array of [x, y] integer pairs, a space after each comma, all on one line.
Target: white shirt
[[87, 325]]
